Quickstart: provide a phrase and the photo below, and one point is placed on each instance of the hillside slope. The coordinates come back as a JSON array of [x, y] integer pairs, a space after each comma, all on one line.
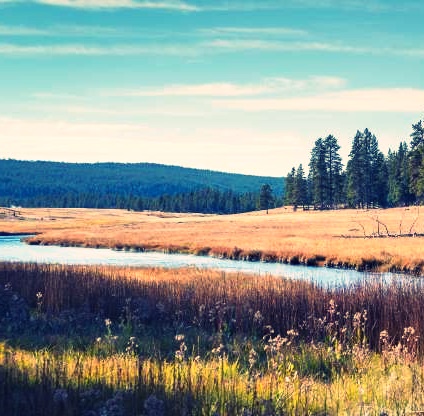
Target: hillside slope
[[35, 183]]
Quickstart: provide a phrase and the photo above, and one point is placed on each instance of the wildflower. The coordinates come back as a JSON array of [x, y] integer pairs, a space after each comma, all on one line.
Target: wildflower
[[384, 336], [179, 338], [108, 322], [258, 318], [292, 333], [218, 350], [332, 306], [357, 319], [407, 332], [253, 357]]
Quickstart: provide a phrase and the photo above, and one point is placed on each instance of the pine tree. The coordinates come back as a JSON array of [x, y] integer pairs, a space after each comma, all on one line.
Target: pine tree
[[325, 169], [289, 187], [416, 161], [398, 177], [366, 172], [300, 188], [333, 164], [265, 197], [318, 174], [355, 172]]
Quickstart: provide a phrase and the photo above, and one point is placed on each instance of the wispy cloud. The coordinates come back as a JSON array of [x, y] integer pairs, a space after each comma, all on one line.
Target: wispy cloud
[[201, 48], [288, 46], [64, 104], [85, 31], [226, 89], [263, 45], [121, 4], [96, 50], [362, 5], [372, 6], [253, 31], [21, 31], [15, 127], [362, 100], [199, 90]]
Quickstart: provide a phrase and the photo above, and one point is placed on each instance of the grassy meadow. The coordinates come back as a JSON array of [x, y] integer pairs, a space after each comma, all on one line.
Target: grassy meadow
[[96, 340], [344, 238], [193, 342]]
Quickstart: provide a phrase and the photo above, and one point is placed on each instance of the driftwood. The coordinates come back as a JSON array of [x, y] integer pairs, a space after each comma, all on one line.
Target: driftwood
[[386, 233]]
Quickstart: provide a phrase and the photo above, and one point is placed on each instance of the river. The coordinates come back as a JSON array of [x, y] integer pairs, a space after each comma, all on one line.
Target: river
[[12, 248]]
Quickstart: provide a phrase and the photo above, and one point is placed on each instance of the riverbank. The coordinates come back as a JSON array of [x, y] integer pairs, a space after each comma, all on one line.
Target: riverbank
[[355, 239]]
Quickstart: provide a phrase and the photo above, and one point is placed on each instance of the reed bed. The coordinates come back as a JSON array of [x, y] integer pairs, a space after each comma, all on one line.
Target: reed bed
[[86, 340], [213, 299]]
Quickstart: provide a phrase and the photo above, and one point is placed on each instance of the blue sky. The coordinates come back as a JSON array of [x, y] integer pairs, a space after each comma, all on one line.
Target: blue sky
[[239, 86]]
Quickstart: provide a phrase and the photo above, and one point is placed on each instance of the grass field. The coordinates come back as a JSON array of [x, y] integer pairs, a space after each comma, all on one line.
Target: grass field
[[192, 342], [156, 342], [343, 238]]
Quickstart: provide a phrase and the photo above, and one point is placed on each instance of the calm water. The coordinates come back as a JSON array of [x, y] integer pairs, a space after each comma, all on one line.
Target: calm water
[[13, 249]]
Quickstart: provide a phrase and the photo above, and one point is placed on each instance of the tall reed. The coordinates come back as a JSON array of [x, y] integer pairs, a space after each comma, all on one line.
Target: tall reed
[[214, 300]]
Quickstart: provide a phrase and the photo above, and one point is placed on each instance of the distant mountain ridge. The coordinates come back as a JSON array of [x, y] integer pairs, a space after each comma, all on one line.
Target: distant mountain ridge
[[27, 183]]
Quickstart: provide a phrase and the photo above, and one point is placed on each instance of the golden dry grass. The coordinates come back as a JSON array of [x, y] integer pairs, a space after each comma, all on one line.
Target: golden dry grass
[[333, 238]]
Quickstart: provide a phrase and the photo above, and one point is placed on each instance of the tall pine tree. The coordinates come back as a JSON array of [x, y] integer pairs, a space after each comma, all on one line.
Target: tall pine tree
[[318, 174], [366, 172], [333, 162], [416, 161], [325, 170]]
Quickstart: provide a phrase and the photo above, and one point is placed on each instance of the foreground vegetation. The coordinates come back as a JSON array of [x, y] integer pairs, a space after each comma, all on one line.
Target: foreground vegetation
[[155, 342], [385, 240]]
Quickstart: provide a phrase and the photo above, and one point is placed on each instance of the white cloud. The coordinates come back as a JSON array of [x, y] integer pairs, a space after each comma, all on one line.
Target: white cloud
[[57, 96], [231, 45], [361, 100], [117, 111], [92, 50], [224, 149], [59, 129], [120, 4], [199, 48], [199, 90], [21, 31], [373, 6], [227, 89], [249, 31]]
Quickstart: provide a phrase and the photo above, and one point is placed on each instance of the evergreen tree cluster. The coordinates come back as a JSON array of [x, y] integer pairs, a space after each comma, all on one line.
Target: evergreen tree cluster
[[370, 179], [129, 186], [205, 200]]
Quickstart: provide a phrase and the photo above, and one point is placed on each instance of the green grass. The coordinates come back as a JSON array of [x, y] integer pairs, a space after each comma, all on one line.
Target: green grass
[[120, 341]]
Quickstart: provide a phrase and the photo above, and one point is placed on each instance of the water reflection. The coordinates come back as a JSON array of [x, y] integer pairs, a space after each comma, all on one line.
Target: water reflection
[[13, 249]]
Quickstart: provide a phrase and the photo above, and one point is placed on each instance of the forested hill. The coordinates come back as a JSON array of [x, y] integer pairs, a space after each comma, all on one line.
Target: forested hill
[[135, 185]]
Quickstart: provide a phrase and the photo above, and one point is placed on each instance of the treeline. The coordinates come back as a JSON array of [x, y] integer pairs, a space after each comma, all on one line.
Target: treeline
[[207, 201], [370, 179], [139, 186]]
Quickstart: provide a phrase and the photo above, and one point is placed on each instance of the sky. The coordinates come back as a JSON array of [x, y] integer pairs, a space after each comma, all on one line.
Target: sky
[[228, 85]]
